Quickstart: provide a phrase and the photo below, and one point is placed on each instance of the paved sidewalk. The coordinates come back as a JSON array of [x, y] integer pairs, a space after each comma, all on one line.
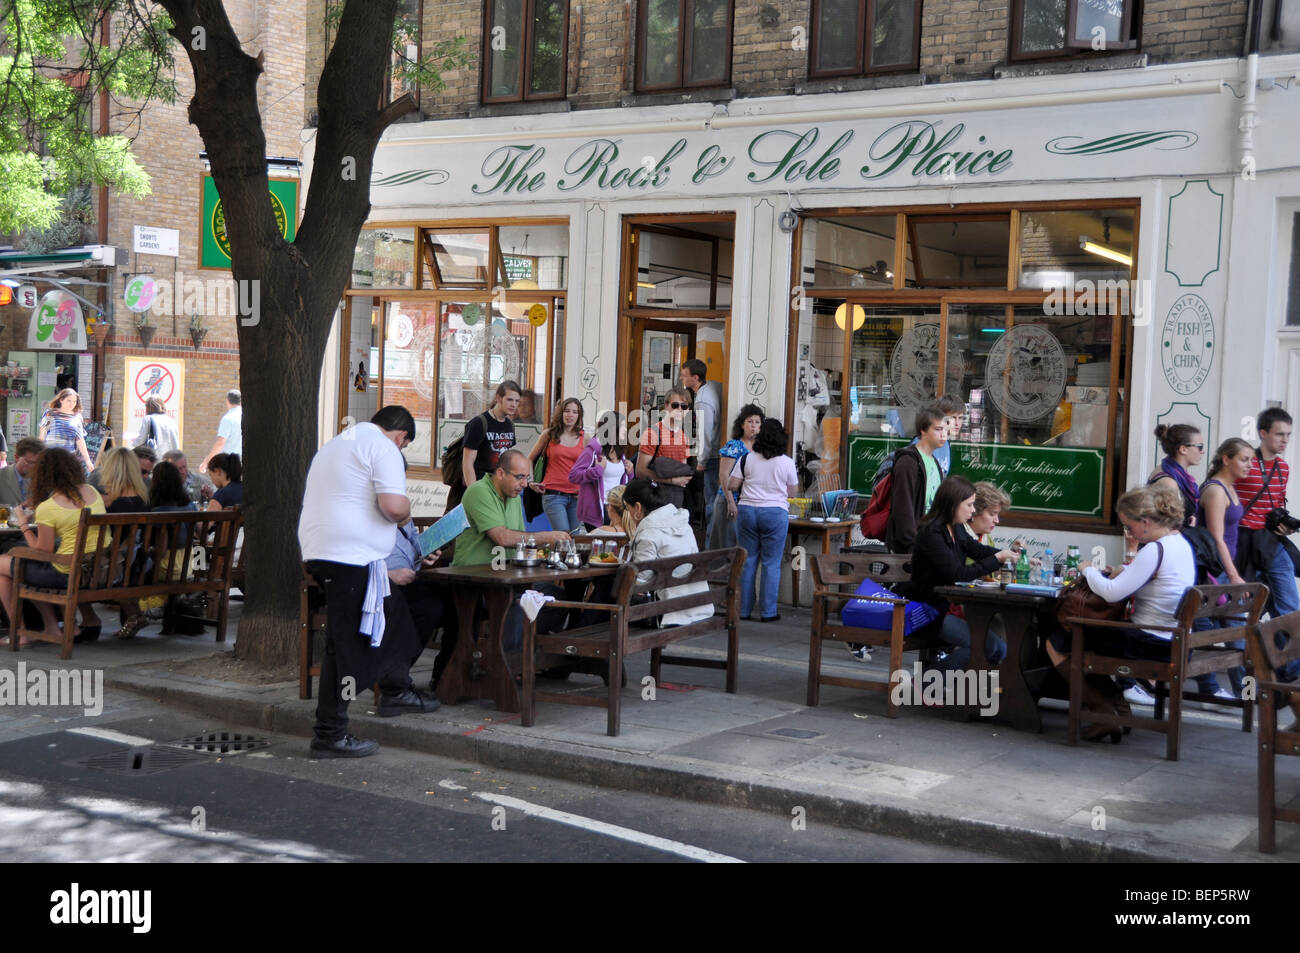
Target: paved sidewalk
[[970, 784]]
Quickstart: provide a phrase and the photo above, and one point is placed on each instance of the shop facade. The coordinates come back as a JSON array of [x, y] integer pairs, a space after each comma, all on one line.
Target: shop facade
[[1078, 257]]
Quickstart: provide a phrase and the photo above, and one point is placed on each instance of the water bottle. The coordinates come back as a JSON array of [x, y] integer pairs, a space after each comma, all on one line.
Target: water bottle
[[1048, 567]]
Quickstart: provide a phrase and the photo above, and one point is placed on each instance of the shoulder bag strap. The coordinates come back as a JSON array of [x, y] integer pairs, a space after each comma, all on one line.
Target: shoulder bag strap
[[1267, 479]]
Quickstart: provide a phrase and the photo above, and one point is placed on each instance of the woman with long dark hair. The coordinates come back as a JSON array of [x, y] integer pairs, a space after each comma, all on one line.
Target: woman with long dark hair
[[227, 472], [562, 443], [939, 558], [722, 531], [766, 479]]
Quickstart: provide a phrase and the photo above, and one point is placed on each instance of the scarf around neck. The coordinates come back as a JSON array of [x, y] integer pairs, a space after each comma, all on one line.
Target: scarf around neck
[[1186, 485]]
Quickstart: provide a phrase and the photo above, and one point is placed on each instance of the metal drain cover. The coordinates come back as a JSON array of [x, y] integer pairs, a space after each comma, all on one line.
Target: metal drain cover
[[220, 742], [795, 733], [149, 759]]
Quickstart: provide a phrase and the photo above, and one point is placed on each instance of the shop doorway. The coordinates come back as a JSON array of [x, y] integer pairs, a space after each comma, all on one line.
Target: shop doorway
[[676, 297]]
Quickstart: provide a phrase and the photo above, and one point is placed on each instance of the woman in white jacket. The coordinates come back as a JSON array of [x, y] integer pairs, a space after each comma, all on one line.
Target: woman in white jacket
[[658, 529]]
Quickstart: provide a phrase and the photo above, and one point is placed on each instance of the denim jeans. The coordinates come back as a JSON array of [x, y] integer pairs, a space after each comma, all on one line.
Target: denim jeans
[[956, 632], [1209, 682], [561, 510], [1280, 577], [762, 531]]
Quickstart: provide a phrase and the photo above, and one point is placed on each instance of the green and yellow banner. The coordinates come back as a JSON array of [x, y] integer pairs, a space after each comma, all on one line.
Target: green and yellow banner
[[214, 247]]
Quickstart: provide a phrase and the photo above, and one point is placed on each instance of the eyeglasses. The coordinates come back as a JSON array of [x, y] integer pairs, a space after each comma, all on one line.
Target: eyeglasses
[[521, 477], [1198, 446], [676, 406]]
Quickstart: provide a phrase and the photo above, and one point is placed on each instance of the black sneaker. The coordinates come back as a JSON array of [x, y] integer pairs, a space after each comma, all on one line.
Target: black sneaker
[[345, 747], [391, 706]]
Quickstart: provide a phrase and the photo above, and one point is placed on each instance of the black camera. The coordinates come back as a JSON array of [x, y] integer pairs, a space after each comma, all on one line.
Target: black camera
[[1281, 519]]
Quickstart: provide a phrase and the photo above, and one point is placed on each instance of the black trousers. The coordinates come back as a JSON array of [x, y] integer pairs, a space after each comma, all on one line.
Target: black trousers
[[348, 653]]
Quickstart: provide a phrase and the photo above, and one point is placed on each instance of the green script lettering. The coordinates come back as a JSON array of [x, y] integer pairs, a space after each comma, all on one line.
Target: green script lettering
[[789, 165], [919, 140], [508, 168]]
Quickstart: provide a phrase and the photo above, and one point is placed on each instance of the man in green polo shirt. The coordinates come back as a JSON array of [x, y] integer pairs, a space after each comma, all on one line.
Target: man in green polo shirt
[[496, 514]]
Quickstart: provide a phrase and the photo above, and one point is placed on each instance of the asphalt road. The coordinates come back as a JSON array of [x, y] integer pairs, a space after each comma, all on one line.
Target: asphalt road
[[141, 799]]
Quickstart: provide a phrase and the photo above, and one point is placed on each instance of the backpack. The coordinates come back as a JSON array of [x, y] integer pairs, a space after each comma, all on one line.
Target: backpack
[[876, 516], [452, 474]]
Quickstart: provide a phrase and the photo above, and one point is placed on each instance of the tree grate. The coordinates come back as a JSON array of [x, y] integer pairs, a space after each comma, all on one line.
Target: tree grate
[[220, 742], [148, 759]]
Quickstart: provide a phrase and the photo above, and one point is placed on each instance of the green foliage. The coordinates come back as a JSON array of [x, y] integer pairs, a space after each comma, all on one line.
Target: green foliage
[[412, 70], [53, 63]]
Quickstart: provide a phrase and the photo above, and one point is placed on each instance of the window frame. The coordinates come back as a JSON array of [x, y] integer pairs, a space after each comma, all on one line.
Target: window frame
[[1128, 41], [1012, 295], [429, 292], [386, 96], [525, 61], [866, 14], [685, 41]]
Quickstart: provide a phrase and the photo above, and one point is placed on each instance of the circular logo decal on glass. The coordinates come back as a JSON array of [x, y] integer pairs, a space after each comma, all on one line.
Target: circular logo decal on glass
[[1187, 344], [914, 367], [403, 329], [1025, 373]]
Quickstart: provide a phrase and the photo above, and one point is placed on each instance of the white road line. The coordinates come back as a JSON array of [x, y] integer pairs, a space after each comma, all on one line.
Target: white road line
[[108, 734], [609, 830], [452, 786]]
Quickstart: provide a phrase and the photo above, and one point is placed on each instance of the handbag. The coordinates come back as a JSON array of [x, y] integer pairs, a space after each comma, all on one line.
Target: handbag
[[665, 469], [866, 614], [532, 496], [1078, 601]]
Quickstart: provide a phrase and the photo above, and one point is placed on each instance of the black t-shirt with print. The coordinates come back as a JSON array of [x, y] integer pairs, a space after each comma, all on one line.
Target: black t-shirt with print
[[490, 438]]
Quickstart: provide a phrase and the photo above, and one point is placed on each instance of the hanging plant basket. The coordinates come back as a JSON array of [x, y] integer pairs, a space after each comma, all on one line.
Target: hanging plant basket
[[146, 332], [197, 335]]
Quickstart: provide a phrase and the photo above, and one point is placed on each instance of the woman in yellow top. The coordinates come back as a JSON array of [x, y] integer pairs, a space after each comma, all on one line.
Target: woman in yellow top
[[59, 484]]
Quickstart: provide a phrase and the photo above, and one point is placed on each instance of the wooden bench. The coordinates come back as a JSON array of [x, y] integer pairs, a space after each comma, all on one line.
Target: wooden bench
[[1273, 697], [835, 578], [1191, 653], [615, 640], [140, 554]]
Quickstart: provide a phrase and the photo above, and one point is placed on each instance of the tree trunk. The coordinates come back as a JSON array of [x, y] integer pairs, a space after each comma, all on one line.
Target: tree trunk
[[298, 285]]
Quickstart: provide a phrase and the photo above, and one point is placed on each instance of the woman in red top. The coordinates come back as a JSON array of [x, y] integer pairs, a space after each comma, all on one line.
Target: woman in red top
[[562, 442]]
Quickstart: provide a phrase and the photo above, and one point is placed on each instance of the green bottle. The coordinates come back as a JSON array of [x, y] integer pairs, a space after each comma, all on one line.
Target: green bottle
[[1022, 566]]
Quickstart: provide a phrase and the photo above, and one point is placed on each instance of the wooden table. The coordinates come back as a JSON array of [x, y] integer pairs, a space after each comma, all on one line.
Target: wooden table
[[1018, 706], [804, 527], [481, 669]]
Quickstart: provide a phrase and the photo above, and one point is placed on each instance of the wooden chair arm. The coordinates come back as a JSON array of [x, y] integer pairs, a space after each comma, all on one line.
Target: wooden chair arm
[[1109, 624], [39, 555], [598, 606]]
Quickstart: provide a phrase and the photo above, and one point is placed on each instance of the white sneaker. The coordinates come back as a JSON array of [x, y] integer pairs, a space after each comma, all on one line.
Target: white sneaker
[[1224, 693], [1138, 695], [859, 650]]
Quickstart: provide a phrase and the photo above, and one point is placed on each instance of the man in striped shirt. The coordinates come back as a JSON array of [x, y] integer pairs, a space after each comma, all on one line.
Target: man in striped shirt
[[1264, 489]]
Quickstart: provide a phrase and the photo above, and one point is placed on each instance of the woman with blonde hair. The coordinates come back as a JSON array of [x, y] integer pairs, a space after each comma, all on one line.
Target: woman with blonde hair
[[1156, 580], [63, 428], [990, 501], [617, 510], [123, 486]]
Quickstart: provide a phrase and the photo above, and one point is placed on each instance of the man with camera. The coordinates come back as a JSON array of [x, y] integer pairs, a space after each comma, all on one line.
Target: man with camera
[[1265, 523]]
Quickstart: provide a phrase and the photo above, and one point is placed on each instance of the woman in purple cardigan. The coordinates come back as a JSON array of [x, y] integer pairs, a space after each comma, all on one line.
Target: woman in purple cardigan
[[598, 471]]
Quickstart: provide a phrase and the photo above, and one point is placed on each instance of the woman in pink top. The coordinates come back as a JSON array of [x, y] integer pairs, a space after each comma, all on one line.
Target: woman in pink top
[[562, 442], [766, 479]]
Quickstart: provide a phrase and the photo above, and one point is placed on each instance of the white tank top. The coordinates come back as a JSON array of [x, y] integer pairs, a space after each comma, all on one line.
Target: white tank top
[[612, 476]]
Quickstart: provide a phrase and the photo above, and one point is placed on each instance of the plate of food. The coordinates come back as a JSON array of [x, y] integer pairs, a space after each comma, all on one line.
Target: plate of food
[[604, 559]]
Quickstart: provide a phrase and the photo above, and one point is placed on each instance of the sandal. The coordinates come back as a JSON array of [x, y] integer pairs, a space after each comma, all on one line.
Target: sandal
[[131, 626]]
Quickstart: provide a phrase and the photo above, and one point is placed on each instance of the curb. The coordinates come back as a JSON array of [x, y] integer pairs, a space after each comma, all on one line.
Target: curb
[[706, 783]]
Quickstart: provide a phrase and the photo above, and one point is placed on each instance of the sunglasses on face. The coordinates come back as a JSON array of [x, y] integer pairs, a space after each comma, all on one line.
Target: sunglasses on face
[[1198, 446], [677, 406]]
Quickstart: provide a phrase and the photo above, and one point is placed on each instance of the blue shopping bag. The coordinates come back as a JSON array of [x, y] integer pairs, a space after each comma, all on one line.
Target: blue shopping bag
[[880, 615]]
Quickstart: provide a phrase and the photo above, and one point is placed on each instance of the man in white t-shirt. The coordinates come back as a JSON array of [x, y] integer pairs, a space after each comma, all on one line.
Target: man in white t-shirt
[[354, 502], [230, 432]]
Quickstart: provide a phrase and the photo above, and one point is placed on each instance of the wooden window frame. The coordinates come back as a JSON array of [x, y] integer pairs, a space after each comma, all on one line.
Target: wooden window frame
[[525, 61], [1071, 47], [866, 17], [386, 96], [429, 293], [900, 295], [686, 14]]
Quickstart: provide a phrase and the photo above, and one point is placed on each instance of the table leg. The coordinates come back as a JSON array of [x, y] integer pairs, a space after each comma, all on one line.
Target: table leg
[[796, 572], [1016, 704], [455, 681], [497, 681]]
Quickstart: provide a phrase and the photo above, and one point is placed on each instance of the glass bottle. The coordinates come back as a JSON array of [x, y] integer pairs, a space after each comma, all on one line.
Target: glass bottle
[[1022, 566]]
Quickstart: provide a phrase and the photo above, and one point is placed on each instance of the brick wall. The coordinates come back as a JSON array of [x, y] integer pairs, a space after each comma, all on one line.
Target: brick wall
[[168, 147], [961, 40]]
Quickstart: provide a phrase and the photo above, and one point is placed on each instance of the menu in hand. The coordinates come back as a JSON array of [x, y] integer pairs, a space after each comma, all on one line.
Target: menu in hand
[[453, 523]]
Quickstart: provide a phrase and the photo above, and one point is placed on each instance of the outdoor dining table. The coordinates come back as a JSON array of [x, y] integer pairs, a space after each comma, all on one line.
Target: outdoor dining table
[[479, 668], [1018, 705], [800, 527]]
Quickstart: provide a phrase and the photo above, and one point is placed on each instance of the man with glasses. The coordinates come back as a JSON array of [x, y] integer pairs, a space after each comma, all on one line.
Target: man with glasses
[[354, 502], [496, 519]]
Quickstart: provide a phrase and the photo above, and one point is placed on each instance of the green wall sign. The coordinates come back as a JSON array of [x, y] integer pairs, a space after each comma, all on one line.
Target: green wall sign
[[214, 250], [1066, 481]]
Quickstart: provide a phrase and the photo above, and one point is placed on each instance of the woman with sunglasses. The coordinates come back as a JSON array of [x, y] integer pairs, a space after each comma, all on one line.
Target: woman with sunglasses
[[669, 441], [1184, 448]]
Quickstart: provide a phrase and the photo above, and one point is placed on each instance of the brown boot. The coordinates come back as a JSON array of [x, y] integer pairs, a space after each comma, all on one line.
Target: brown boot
[[1097, 698]]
